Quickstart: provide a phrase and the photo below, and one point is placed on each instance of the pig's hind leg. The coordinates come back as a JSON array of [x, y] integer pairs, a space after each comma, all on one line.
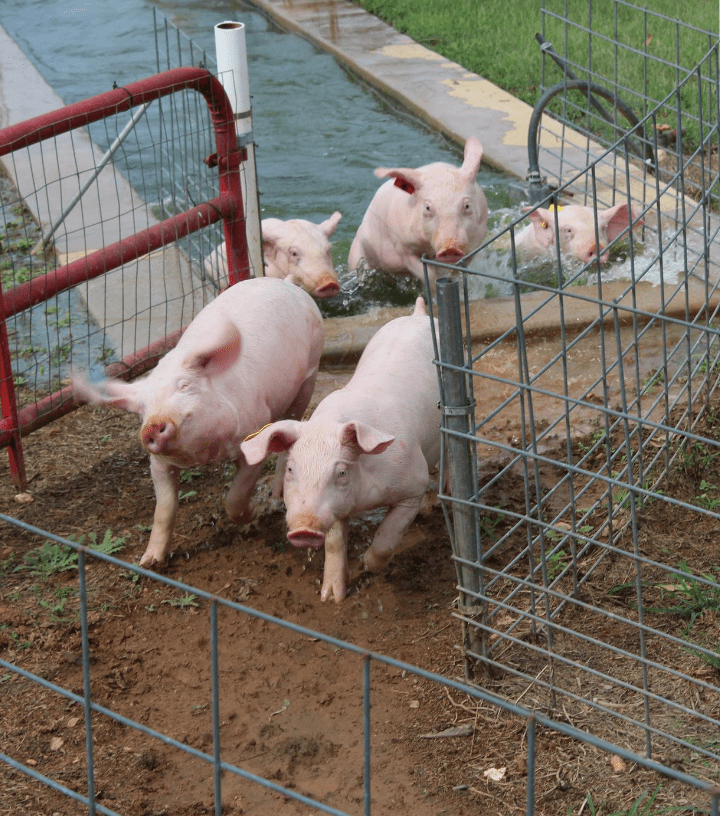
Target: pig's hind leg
[[302, 398], [237, 502], [387, 536]]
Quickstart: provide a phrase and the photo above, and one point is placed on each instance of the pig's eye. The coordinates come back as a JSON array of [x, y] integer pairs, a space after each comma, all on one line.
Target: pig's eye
[[294, 254], [467, 208], [183, 385], [428, 209], [341, 473]]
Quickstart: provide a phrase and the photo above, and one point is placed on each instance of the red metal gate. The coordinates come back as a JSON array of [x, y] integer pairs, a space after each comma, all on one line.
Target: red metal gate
[[228, 206]]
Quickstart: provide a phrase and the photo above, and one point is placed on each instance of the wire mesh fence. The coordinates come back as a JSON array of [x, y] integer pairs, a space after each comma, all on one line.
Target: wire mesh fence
[[106, 722], [581, 431]]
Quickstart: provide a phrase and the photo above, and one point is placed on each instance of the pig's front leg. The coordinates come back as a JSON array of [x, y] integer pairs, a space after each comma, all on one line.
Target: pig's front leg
[[166, 480], [335, 572], [237, 502], [387, 536]]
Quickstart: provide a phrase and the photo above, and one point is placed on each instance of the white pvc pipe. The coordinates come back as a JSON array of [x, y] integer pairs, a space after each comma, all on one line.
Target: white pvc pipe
[[232, 73]]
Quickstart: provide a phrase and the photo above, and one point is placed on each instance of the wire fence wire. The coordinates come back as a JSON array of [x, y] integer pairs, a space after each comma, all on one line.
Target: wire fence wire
[[222, 763], [582, 433]]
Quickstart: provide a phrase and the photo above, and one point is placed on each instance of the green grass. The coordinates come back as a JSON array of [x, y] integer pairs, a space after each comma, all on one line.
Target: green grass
[[496, 39]]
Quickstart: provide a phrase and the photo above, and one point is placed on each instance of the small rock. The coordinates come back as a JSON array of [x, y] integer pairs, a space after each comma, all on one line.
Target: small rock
[[617, 763], [24, 498]]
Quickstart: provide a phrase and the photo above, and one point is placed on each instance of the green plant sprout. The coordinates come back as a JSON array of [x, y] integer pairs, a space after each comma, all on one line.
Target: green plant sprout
[[52, 558]]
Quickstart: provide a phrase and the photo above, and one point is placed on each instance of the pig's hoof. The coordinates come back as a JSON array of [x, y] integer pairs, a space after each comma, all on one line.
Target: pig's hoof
[[151, 559], [374, 562], [248, 515], [333, 591]]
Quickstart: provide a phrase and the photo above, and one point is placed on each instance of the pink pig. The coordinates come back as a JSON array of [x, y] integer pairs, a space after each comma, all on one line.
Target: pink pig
[[295, 250], [576, 228], [369, 444], [250, 356], [436, 210]]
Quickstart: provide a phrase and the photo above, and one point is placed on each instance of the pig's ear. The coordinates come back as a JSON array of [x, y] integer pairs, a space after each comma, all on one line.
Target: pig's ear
[[543, 224], [274, 438], [217, 356], [328, 227], [271, 233], [365, 437], [616, 219], [472, 158], [114, 393], [406, 178]]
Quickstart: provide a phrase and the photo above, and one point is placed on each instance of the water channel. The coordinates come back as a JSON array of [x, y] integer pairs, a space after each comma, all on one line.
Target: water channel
[[319, 131]]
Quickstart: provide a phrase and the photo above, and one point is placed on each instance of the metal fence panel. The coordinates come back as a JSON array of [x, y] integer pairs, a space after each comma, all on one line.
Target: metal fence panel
[[593, 392]]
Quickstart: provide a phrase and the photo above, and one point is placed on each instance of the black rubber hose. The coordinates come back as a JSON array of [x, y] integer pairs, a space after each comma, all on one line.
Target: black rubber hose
[[646, 153]]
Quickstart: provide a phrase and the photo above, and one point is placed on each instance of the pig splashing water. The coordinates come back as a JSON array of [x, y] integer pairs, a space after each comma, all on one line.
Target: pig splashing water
[[250, 357], [370, 444], [296, 250], [576, 231], [437, 210]]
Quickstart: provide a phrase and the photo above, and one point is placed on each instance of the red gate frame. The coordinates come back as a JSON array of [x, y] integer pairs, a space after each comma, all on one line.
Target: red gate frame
[[228, 206]]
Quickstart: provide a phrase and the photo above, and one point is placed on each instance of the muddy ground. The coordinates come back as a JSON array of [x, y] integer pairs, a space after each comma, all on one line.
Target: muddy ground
[[290, 705]]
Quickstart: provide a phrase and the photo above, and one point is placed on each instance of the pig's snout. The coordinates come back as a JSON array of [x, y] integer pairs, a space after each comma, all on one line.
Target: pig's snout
[[593, 253], [304, 537], [157, 434], [327, 287], [450, 255]]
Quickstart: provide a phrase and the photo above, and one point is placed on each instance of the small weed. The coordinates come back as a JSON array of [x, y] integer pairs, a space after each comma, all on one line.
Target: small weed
[[48, 560], [488, 525], [188, 475], [185, 495], [56, 605], [556, 563], [704, 500], [709, 660], [183, 602], [692, 598], [655, 379], [54, 558], [634, 810], [696, 456]]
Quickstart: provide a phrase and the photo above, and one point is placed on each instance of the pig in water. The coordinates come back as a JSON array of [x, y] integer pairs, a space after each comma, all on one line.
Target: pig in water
[[250, 356], [370, 444], [576, 228], [436, 210], [294, 250]]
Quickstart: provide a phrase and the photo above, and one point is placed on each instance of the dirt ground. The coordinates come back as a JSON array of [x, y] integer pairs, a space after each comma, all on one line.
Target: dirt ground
[[290, 705]]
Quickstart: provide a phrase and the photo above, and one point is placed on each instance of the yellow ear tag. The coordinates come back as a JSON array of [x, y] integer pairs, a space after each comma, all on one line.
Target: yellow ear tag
[[551, 208], [255, 433]]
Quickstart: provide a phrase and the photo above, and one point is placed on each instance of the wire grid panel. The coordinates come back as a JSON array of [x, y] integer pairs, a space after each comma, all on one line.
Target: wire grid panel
[[74, 194], [666, 158], [590, 451], [572, 596]]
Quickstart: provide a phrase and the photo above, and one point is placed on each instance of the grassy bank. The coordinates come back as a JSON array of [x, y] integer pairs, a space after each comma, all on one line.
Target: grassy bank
[[496, 38]]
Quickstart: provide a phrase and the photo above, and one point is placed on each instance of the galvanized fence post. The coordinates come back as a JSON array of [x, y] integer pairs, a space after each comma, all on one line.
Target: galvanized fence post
[[457, 410]]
